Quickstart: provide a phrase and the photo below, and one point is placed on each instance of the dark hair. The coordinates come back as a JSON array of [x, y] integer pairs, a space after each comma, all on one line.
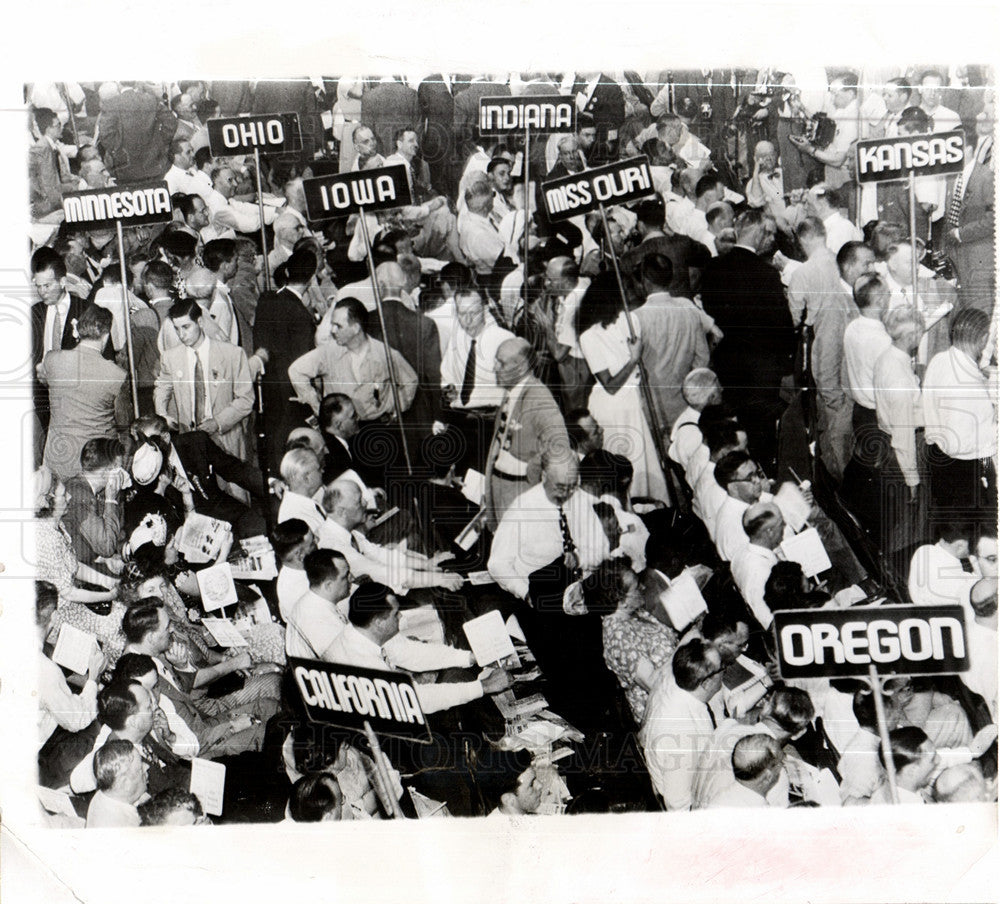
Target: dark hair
[[47, 259], [867, 290], [115, 704], [651, 212], [657, 269], [287, 535], [313, 797], [159, 274], [848, 254], [914, 118], [202, 155], [356, 311], [100, 452], [331, 405], [904, 742], [369, 602], [607, 471], [691, 665], [458, 275], [185, 307], [783, 589], [601, 304], [950, 531], [301, 266], [969, 326], [46, 598], [705, 184], [720, 622], [155, 811], [218, 252], [323, 565], [95, 322], [718, 435], [142, 618], [44, 117], [180, 244], [791, 708], [864, 708], [727, 467], [132, 666]]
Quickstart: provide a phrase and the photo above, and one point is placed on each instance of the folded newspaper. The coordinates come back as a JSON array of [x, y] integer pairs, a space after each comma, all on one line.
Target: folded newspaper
[[201, 538], [254, 560]]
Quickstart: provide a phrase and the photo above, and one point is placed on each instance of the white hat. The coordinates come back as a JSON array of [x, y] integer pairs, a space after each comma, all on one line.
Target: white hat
[[147, 464]]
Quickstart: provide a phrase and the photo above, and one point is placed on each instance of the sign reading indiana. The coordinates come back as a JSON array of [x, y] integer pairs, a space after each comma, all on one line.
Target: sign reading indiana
[[131, 205], [580, 193], [541, 113], [897, 640], [273, 133], [339, 195], [349, 696], [883, 159]]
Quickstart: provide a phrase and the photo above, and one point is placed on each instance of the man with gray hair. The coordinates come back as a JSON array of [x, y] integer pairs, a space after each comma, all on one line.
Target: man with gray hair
[[758, 764], [477, 235], [121, 784], [751, 566], [700, 388]]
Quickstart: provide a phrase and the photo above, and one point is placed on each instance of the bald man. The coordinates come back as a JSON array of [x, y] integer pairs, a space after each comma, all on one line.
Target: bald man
[[528, 423]]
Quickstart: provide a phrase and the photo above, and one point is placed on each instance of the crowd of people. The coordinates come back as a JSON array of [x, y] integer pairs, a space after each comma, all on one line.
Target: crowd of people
[[607, 431]]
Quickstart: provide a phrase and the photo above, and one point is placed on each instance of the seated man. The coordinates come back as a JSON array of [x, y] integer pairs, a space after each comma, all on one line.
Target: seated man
[[292, 541], [302, 473], [758, 765], [915, 761], [222, 726], [121, 784], [751, 566], [678, 724], [477, 235], [316, 619], [317, 798], [173, 807], [374, 620], [936, 573]]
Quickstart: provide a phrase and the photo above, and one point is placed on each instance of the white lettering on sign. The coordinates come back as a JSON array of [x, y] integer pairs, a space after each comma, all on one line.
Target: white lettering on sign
[[907, 154], [116, 205], [363, 192], [357, 694], [253, 134], [497, 117], [603, 187], [880, 641]]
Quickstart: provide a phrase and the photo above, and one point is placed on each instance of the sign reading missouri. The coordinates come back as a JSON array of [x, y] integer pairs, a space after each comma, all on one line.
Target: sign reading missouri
[[539, 113], [897, 640], [884, 159], [131, 205], [274, 133], [580, 193], [349, 696], [342, 194]]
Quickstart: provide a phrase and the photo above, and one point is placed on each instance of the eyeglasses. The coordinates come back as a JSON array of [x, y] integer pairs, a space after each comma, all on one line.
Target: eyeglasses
[[755, 474]]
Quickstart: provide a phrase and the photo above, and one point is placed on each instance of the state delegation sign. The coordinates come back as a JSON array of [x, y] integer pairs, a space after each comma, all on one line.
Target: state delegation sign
[[897, 640], [274, 133], [541, 113], [130, 205], [580, 193], [885, 159], [342, 194], [349, 696]]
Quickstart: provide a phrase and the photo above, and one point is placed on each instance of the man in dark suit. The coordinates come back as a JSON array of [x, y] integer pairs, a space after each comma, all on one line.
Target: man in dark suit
[[286, 329], [971, 237], [744, 294], [53, 326], [386, 108], [201, 462], [465, 123], [136, 129], [437, 111], [338, 422]]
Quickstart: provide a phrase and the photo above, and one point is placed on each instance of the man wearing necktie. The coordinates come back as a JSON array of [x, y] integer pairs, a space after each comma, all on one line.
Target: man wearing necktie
[[970, 239], [48, 173]]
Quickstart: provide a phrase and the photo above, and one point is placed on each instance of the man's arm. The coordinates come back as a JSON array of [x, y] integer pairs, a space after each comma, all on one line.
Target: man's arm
[[163, 390], [302, 371], [242, 404], [228, 467], [102, 535], [503, 555]]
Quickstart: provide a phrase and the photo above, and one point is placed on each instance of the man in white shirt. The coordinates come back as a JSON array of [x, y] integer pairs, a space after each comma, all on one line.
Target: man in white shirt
[[744, 482], [303, 475], [865, 339], [751, 566], [836, 156], [292, 541], [121, 784], [565, 288], [914, 760], [936, 573], [373, 613], [825, 203], [700, 388], [178, 177], [942, 118], [478, 236], [468, 366], [553, 518], [934, 297], [227, 213], [678, 724], [981, 640], [757, 764], [960, 420], [316, 620]]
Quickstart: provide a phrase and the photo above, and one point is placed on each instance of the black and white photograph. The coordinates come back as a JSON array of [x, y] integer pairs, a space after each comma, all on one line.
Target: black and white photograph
[[590, 449]]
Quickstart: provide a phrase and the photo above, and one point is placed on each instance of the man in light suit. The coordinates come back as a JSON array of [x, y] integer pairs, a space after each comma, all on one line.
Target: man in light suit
[[971, 237], [221, 405], [49, 176], [528, 422]]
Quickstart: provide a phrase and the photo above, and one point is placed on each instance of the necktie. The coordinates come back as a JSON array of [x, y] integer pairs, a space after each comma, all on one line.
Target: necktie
[[569, 547], [469, 380], [955, 207], [711, 715], [199, 391], [57, 163], [55, 337]]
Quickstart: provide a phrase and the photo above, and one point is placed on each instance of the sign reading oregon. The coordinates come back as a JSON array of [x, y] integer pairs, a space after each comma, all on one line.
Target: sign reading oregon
[[897, 640]]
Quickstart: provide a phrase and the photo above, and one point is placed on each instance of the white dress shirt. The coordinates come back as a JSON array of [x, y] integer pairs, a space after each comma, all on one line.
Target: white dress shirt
[[291, 587], [295, 505], [313, 624], [864, 340], [960, 414], [840, 231], [898, 408], [565, 325], [937, 579], [751, 568], [529, 537], [485, 392]]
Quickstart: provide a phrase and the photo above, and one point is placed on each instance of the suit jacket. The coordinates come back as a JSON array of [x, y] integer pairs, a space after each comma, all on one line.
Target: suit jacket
[[415, 337], [136, 129], [974, 256], [204, 460], [39, 309], [437, 112], [88, 397], [386, 108], [228, 384], [745, 296], [45, 181], [535, 423], [466, 119]]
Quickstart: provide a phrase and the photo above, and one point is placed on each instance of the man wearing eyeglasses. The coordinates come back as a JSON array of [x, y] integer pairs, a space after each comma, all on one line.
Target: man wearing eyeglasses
[[744, 482]]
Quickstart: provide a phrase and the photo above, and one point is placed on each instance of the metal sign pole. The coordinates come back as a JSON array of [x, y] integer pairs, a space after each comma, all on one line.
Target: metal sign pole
[[527, 208], [385, 339], [913, 241], [383, 784], [654, 423], [883, 733], [260, 207], [128, 318]]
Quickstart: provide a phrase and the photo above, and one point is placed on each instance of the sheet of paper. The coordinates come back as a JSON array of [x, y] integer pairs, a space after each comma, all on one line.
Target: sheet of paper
[[488, 637], [208, 784], [473, 486], [224, 632], [74, 649], [217, 587], [682, 601], [55, 801], [202, 537], [807, 549], [793, 505]]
